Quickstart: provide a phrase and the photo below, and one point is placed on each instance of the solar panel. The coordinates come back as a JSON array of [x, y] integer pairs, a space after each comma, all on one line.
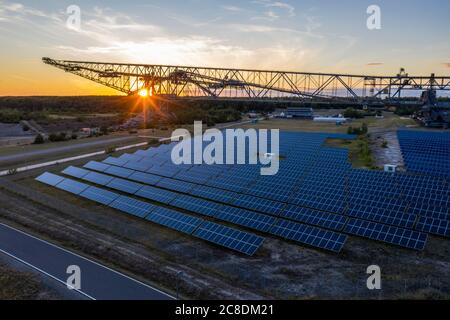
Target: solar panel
[[120, 172], [138, 166], [132, 206], [382, 214], [156, 194], [259, 204], [98, 178], [72, 186], [130, 157], [390, 234], [193, 177], [312, 236], [174, 220], [171, 184], [197, 205], [146, 178], [99, 195], [164, 170], [246, 218], [75, 172], [314, 217], [115, 161], [49, 178], [435, 226], [124, 185], [213, 194], [237, 240], [97, 166]]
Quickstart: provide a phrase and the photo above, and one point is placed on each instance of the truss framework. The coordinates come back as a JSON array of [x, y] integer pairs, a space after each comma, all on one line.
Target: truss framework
[[212, 83]]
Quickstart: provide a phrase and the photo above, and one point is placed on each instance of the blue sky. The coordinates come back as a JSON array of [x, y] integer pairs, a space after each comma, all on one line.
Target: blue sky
[[322, 36]]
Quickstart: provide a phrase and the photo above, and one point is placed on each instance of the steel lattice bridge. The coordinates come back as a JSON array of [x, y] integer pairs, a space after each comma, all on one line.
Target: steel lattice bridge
[[178, 82]]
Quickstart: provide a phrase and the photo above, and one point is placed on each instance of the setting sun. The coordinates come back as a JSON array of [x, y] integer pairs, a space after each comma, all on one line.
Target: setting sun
[[144, 93]]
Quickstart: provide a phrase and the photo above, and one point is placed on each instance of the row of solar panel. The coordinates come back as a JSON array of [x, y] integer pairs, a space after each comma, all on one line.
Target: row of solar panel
[[238, 216], [366, 212], [338, 207], [261, 222], [234, 239], [426, 152]]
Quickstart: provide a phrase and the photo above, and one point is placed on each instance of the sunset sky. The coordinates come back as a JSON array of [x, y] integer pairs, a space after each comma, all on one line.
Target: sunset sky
[[303, 35]]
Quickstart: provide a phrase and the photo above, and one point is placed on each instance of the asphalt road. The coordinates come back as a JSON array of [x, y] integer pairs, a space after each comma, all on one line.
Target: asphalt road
[[60, 149], [97, 282]]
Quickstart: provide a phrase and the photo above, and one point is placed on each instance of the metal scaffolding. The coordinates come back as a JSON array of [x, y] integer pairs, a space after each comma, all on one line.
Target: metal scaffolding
[[175, 82]]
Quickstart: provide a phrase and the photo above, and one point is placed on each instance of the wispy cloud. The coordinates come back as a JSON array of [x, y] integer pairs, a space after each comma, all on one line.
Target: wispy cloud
[[277, 5], [374, 64], [194, 23], [16, 11], [232, 8], [447, 64]]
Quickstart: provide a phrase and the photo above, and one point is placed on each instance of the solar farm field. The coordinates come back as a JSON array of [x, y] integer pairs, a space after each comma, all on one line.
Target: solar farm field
[[316, 199]]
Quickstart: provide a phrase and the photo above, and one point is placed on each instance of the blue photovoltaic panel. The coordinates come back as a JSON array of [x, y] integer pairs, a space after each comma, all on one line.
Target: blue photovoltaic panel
[[130, 157], [259, 204], [75, 172], [197, 205], [97, 166], [115, 161], [434, 226], [174, 220], [99, 195], [120, 172], [312, 236], [237, 240], [156, 194], [98, 178], [314, 217], [383, 215], [138, 166], [146, 178], [176, 185], [72, 186], [124, 185], [49, 178], [132, 206], [390, 234], [164, 170], [246, 218], [213, 194], [192, 177]]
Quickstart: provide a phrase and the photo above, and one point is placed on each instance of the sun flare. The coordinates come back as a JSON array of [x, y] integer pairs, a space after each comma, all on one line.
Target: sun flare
[[144, 93]]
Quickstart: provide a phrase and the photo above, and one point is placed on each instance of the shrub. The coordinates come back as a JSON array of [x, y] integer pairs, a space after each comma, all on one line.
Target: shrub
[[358, 131], [11, 172], [74, 136], [384, 144], [104, 130], [364, 128], [353, 113], [53, 137], [110, 150], [39, 139]]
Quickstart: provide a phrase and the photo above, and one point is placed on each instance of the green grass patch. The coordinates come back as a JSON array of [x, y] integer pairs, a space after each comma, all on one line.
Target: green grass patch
[[359, 151]]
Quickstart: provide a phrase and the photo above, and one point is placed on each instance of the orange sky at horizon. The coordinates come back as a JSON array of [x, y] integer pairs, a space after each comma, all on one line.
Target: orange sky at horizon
[[284, 35]]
